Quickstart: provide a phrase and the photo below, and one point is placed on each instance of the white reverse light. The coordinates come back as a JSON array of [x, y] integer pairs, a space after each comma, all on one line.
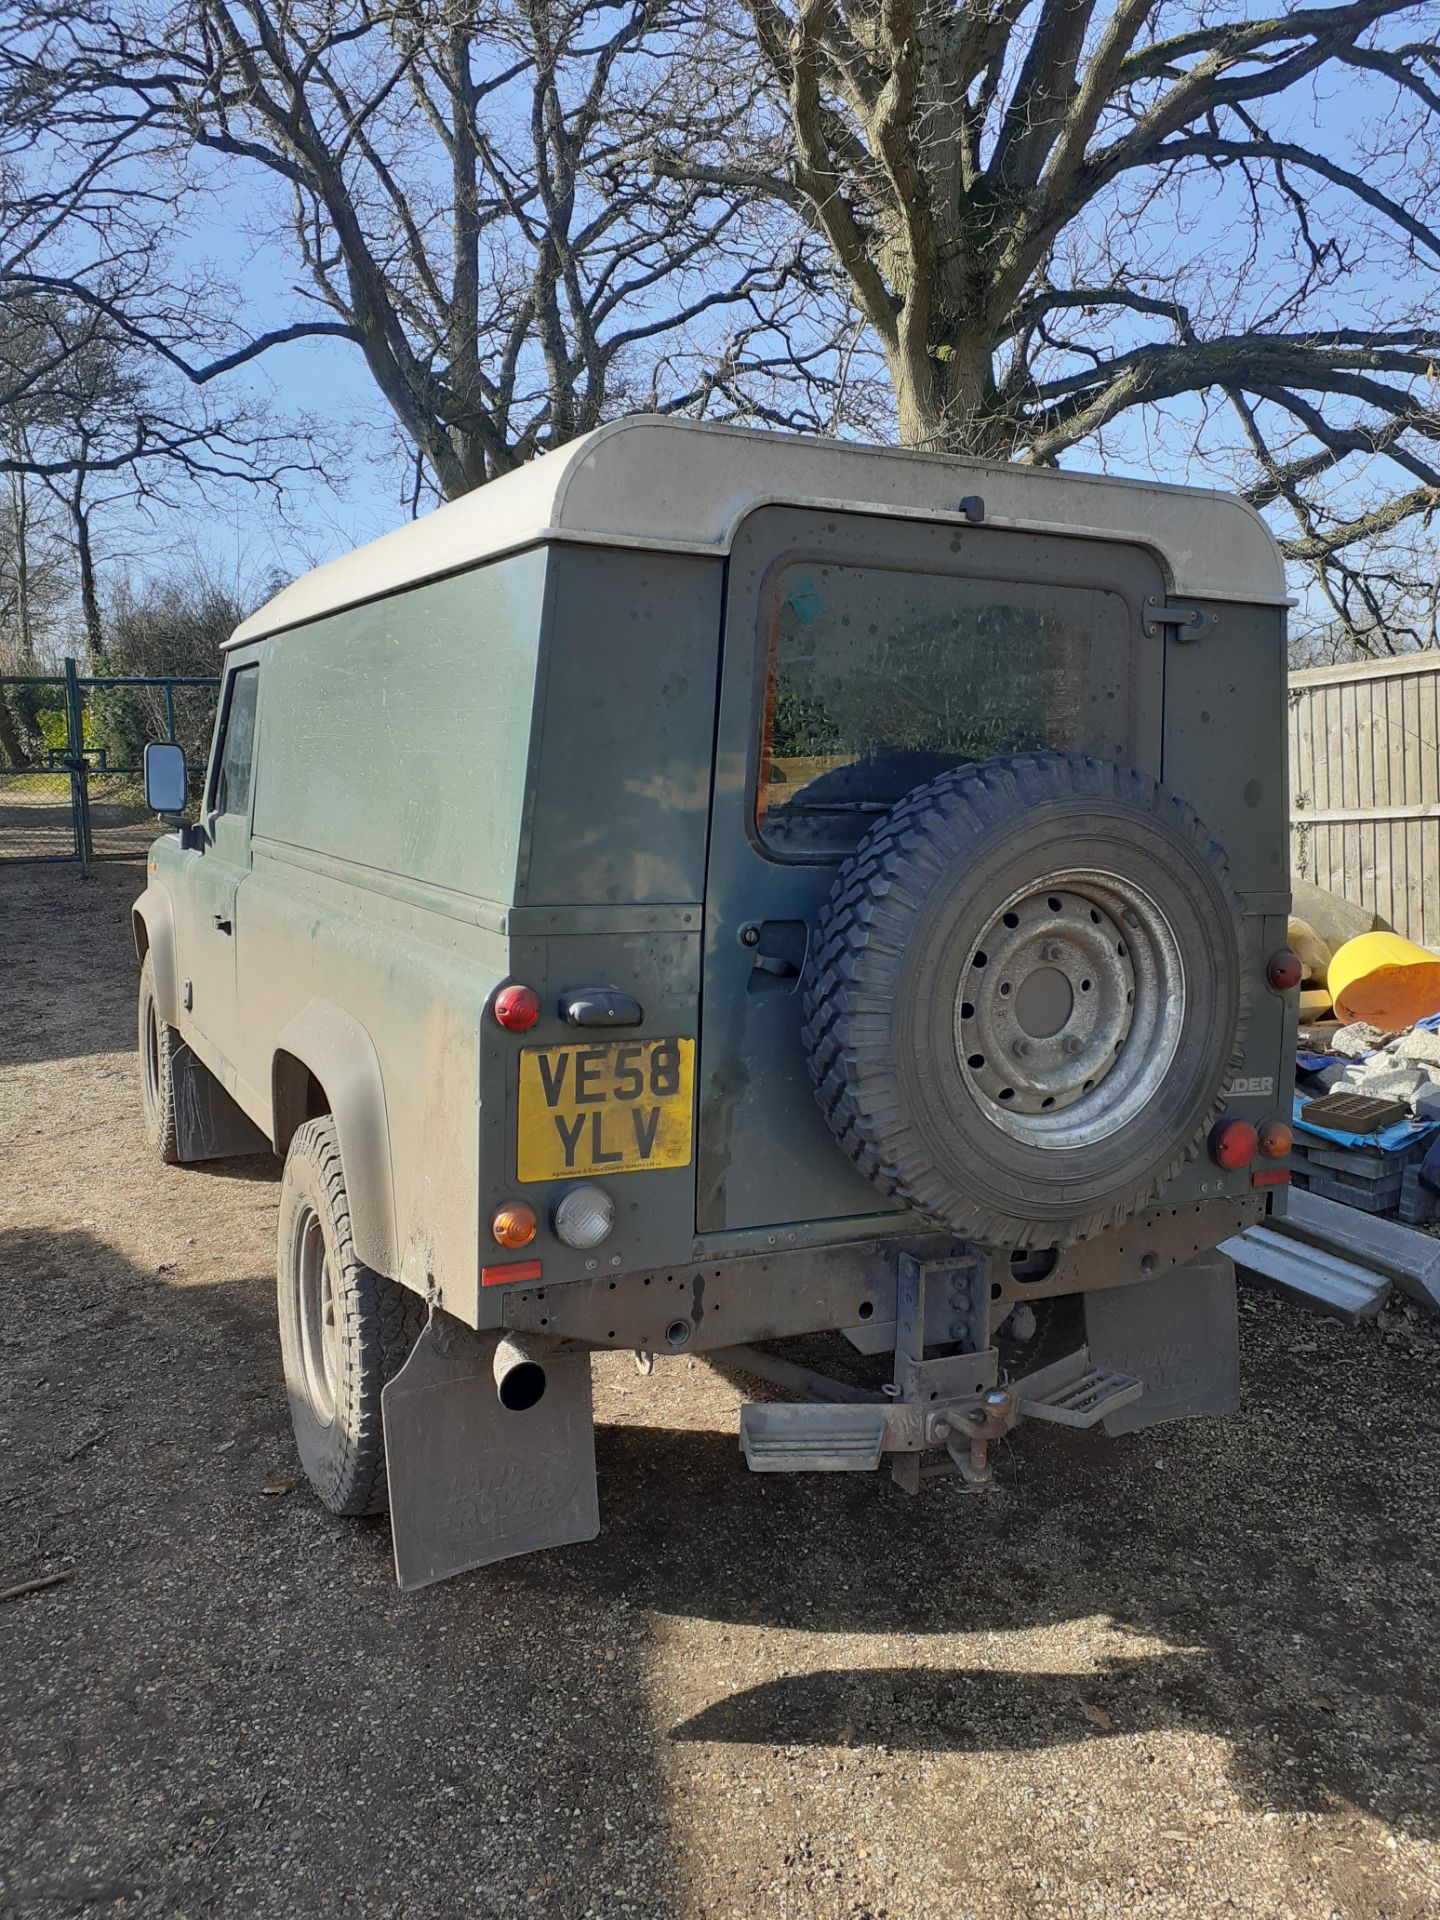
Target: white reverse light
[[584, 1217]]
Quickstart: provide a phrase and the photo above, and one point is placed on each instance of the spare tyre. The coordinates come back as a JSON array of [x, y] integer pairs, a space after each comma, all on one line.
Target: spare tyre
[[1024, 997]]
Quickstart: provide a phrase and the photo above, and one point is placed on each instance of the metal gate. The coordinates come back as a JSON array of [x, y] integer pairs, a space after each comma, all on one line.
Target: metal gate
[[71, 752]]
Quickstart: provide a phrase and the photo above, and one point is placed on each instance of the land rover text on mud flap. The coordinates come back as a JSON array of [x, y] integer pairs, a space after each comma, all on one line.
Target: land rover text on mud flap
[[713, 887]]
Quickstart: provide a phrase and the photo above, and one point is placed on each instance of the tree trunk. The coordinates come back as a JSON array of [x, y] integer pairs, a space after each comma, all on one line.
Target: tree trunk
[[89, 596], [26, 660], [10, 747], [941, 400]]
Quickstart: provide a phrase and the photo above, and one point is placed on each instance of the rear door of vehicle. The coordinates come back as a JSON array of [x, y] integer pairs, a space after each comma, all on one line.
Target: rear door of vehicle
[[862, 657]]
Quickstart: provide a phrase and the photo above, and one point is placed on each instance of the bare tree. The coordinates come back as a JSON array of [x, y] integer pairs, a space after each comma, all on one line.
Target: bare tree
[[1071, 224], [467, 189], [36, 595], [36, 575], [91, 421], [174, 621]]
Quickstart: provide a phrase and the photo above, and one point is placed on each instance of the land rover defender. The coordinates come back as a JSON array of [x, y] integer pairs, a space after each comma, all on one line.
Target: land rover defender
[[709, 888]]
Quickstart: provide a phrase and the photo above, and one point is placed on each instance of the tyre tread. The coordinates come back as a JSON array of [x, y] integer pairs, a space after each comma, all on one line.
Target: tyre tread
[[163, 1126], [382, 1321], [862, 935]]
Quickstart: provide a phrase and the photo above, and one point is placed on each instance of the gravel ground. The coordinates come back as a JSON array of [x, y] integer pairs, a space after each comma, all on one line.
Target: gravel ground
[[1190, 1673]]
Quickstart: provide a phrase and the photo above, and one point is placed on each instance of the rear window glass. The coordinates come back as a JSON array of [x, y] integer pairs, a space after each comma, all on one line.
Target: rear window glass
[[878, 680]]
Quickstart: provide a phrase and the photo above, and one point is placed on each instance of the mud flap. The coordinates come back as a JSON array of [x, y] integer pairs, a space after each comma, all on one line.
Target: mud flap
[[471, 1482], [1179, 1333], [208, 1123]]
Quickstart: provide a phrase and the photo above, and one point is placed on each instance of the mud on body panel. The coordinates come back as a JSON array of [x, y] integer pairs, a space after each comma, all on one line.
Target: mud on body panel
[[609, 1107]]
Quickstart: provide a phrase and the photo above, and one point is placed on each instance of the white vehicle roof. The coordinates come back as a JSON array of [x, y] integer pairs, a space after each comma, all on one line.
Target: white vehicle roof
[[684, 486]]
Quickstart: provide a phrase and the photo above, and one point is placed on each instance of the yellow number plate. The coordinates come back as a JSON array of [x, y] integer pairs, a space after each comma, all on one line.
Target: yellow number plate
[[615, 1106]]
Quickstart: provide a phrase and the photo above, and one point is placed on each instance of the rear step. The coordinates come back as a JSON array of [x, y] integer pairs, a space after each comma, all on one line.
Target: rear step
[[781, 1437], [1073, 1393], [777, 1438]]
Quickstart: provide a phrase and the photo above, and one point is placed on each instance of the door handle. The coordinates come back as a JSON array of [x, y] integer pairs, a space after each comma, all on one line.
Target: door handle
[[220, 923]]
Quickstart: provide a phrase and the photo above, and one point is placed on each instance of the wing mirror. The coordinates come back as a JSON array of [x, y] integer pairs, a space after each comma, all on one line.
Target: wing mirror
[[167, 785]]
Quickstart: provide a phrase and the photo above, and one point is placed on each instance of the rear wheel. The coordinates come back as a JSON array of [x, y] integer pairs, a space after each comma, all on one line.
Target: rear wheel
[[344, 1329], [158, 1041]]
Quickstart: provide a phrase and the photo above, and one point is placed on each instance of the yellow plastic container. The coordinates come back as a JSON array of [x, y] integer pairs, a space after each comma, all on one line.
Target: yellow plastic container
[[1385, 979]]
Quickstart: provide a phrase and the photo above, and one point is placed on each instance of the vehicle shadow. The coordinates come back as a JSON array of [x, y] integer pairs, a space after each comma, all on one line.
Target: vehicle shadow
[[264, 1169], [1272, 1574], [223, 1703], [245, 1664]]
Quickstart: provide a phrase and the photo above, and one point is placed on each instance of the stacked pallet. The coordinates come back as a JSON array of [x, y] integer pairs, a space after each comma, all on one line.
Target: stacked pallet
[[1375, 1179], [1337, 1258]]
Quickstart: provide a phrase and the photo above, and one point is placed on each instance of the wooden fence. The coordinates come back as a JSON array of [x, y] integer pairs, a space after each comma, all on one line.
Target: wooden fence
[[1365, 786]]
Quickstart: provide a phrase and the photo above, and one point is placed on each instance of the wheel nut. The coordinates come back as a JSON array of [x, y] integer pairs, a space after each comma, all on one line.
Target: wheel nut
[[1020, 1048], [1050, 952], [1072, 1043]]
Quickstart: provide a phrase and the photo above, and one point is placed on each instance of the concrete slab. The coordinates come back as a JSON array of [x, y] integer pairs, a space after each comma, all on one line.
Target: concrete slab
[[1410, 1259], [1312, 1275]]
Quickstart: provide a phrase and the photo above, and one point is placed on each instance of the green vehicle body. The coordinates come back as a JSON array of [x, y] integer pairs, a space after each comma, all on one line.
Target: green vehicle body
[[522, 742]]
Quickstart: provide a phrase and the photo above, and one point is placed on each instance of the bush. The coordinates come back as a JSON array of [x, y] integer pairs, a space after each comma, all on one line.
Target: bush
[[171, 626]]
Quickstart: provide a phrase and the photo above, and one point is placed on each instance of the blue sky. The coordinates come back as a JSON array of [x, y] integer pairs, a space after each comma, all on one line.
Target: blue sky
[[244, 534]]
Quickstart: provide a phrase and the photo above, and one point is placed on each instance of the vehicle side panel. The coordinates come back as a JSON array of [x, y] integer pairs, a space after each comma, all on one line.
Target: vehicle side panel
[[153, 920], [381, 999], [392, 771], [397, 735], [623, 731], [1225, 751], [1225, 741]]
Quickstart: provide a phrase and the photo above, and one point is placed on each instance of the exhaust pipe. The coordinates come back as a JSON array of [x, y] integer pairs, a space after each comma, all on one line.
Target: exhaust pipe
[[520, 1370]]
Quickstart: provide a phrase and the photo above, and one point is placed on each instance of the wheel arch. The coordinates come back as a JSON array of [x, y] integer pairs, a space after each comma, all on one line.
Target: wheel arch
[[325, 1062], [152, 923]]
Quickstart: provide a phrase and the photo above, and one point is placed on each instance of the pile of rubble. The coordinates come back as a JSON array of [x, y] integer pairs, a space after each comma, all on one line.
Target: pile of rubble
[[1365, 1169], [1367, 1118], [1385, 1066]]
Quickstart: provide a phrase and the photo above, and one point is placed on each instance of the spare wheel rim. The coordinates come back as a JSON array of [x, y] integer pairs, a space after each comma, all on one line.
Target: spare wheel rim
[[1070, 1008]]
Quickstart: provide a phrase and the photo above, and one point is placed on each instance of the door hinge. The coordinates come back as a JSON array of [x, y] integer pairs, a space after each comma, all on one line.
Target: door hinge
[[1187, 623]]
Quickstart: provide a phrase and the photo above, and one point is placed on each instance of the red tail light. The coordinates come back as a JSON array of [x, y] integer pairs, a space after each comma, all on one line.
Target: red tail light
[[1234, 1143], [1284, 970], [516, 1008]]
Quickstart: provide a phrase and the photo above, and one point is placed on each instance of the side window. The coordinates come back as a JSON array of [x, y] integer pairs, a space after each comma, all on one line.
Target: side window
[[236, 756]]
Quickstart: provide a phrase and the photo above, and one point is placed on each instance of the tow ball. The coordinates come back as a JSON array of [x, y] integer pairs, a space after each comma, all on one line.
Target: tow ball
[[966, 1436]]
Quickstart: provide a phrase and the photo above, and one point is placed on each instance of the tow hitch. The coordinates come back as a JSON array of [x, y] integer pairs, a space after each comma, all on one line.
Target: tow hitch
[[953, 1404]]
